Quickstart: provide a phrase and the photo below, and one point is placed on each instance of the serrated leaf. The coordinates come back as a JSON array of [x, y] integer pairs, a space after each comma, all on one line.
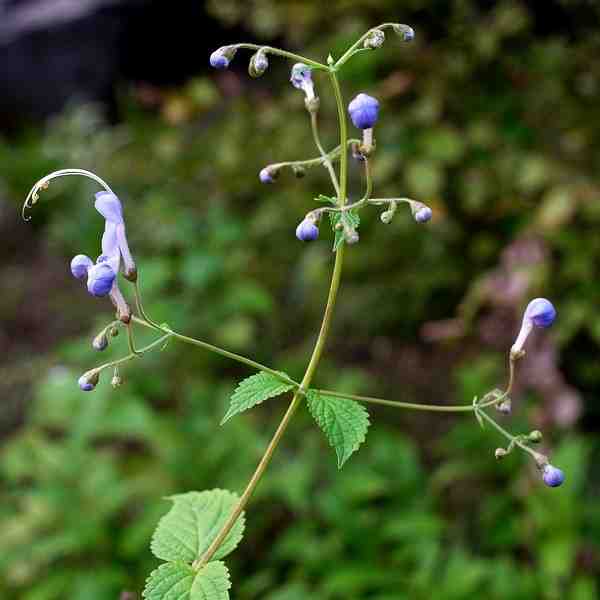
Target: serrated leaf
[[179, 581], [344, 422], [350, 218], [193, 522], [254, 390]]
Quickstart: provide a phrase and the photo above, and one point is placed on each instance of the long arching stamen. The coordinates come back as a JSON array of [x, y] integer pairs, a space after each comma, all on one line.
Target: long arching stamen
[[43, 183]]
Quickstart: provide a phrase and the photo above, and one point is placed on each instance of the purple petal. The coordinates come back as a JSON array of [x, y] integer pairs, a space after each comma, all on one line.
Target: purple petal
[[100, 279], [109, 206]]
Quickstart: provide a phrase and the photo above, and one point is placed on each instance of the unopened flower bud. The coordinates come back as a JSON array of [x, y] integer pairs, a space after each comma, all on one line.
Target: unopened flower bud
[[504, 407], [116, 381], [375, 39], [259, 63], [114, 331], [221, 57], [350, 235], [299, 171], [268, 175], [364, 111], [421, 212], [552, 476], [500, 453], [100, 342], [80, 265], [307, 230], [88, 381], [539, 313], [405, 31], [535, 436]]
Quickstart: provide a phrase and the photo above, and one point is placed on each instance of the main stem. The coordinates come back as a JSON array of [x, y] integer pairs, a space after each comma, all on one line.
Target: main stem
[[314, 359]]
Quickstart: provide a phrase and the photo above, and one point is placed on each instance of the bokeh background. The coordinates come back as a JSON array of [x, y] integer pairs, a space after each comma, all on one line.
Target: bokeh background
[[491, 116]]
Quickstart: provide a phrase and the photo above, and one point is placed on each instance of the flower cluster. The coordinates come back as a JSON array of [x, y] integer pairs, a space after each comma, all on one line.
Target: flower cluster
[[101, 276]]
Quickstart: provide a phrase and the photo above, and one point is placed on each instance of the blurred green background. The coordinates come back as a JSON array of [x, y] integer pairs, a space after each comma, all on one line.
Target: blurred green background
[[491, 116]]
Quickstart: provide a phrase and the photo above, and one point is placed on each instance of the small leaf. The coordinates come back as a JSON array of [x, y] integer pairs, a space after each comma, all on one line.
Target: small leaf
[[253, 391], [349, 218], [193, 522], [179, 581], [343, 421], [326, 199]]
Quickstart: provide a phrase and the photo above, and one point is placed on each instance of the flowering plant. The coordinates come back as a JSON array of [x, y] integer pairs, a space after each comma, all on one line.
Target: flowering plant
[[202, 528]]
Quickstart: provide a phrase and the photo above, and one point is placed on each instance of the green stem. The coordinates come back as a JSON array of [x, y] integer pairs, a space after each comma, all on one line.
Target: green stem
[[133, 355], [325, 157], [342, 195], [512, 438], [358, 42], [269, 49], [396, 404], [312, 365], [237, 357]]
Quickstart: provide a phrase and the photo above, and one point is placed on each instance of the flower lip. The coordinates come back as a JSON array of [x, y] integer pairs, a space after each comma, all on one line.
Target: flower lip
[[80, 265], [540, 312], [364, 111], [307, 231], [101, 278], [109, 206], [301, 75], [552, 476]]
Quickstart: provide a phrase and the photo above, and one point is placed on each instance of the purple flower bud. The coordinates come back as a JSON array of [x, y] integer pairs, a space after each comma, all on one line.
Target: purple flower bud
[[407, 32], [541, 312], [364, 111], [100, 279], [259, 63], [87, 382], [423, 215], [267, 175], [109, 206], [552, 476], [307, 231], [221, 57], [80, 265], [100, 342]]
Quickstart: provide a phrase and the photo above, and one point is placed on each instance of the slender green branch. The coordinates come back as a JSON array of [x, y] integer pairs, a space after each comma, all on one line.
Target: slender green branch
[[269, 49], [358, 42], [314, 125], [343, 192], [237, 357], [132, 355], [397, 404], [514, 440], [312, 365], [140, 306]]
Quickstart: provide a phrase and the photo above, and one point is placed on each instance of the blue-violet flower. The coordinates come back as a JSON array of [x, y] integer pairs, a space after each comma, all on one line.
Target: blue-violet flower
[[539, 313], [364, 111], [552, 476]]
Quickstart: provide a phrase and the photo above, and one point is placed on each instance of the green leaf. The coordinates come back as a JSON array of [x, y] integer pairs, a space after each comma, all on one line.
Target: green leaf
[[349, 218], [179, 581], [253, 391], [343, 421], [193, 522]]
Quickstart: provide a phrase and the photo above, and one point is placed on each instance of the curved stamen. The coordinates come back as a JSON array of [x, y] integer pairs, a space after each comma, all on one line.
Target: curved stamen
[[43, 183]]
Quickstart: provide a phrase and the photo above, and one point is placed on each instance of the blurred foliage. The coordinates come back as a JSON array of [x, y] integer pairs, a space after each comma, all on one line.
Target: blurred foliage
[[491, 116]]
